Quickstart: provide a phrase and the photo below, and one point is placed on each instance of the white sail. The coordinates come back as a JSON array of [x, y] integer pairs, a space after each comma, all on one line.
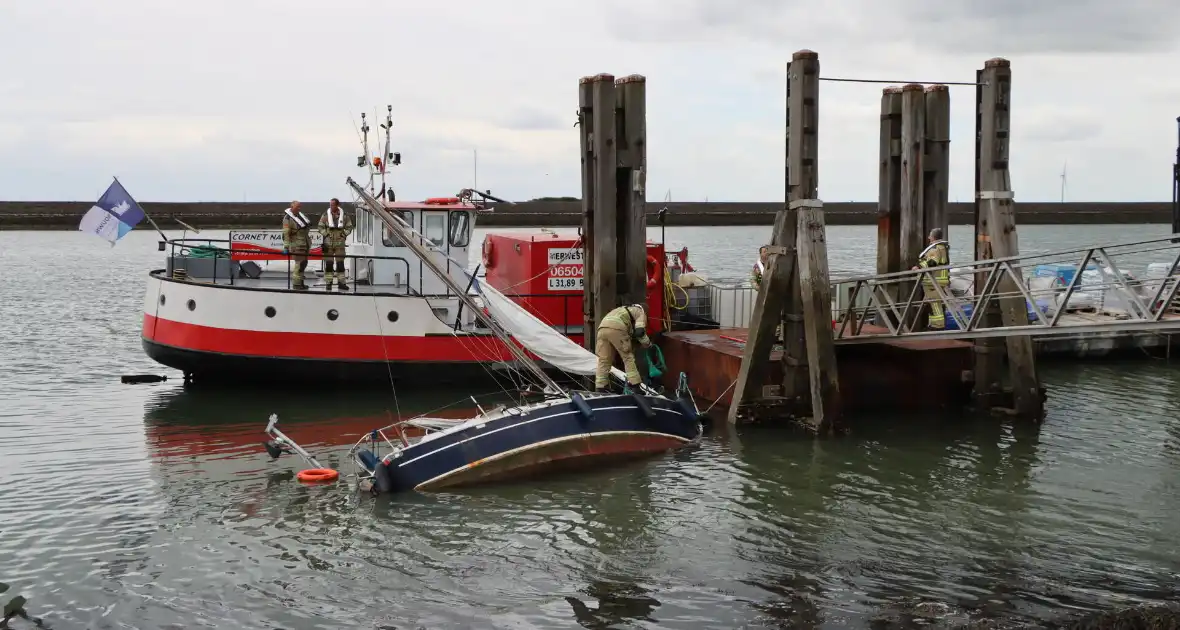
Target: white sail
[[540, 338]]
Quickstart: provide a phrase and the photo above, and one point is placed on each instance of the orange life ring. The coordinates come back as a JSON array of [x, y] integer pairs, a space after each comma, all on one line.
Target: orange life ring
[[312, 475], [441, 200], [653, 268], [487, 253]]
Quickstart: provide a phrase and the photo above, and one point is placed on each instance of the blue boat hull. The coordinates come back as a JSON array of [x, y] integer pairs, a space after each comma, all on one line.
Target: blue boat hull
[[539, 440]]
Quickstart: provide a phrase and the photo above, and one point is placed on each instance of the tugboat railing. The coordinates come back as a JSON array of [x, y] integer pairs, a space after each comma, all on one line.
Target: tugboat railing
[[187, 248], [190, 248], [194, 248]]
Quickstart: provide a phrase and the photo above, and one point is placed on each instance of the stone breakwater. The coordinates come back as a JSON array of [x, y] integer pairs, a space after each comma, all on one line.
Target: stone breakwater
[[65, 215]]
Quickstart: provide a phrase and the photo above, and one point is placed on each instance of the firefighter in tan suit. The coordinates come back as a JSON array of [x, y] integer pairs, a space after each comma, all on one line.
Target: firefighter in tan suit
[[335, 224], [616, 333], [296, 242]]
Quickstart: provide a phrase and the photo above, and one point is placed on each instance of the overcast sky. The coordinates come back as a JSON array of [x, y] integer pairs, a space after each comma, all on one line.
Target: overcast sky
[[219, 100]]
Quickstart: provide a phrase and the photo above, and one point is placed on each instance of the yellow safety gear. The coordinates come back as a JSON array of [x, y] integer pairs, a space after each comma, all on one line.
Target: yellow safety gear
[[335, 225], [297, 243], [606, 344], [615, 334], [756, 274], [627, 319], [937, 254]]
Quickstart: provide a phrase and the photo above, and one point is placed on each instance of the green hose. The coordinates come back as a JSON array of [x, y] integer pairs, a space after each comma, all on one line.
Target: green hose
[[207, 251]]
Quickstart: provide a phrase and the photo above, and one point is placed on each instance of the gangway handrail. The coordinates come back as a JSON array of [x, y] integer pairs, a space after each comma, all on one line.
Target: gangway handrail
[[894, 302], [899, 275]]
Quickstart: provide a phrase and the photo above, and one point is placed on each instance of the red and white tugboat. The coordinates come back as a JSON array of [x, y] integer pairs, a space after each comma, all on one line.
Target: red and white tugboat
[[226, 311]]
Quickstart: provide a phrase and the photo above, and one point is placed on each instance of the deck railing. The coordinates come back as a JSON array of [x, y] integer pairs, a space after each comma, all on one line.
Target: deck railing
[[211, 260]]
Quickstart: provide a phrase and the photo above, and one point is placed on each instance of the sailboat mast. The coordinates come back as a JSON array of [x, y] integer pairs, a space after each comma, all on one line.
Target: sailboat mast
[[415, 242]]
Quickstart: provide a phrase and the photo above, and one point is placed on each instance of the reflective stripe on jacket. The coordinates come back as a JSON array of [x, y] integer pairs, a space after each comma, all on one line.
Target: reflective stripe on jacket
[[937, 254], [627, 318]]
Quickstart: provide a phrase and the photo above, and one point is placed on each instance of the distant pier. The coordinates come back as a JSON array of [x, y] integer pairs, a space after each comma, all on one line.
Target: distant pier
[[65, 215]]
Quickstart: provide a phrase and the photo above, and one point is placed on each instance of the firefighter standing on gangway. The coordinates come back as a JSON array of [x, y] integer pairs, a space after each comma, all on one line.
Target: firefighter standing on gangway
[[936, 254]]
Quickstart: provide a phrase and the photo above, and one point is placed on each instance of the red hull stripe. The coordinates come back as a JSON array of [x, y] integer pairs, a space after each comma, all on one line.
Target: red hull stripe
[[295, 345]]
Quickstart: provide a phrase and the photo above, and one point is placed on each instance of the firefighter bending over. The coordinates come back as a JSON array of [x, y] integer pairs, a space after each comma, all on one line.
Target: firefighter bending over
[[936, 254], [617, 332]]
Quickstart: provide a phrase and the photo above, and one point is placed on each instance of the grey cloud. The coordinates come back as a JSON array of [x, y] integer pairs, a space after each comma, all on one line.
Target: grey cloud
[[1064, 130], [528, 119], [1004, 27], [1071, 26], [667, 21]]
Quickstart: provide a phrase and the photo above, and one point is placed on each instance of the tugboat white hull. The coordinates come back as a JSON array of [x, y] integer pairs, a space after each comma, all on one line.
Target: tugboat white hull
[[243, 334]]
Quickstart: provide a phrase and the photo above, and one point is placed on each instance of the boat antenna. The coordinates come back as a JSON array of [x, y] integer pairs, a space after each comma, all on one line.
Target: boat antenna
[[422, 247], [363, 161], [388, 158]]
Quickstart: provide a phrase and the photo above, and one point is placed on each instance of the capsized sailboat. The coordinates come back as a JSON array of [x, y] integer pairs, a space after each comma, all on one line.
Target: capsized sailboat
[[567, 428]]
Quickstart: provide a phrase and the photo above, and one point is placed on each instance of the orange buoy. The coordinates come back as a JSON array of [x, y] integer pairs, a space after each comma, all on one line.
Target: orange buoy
[[653, 270], [313, 475]]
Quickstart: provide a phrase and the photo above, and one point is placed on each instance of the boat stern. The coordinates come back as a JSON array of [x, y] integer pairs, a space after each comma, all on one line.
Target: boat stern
[[151, 305]]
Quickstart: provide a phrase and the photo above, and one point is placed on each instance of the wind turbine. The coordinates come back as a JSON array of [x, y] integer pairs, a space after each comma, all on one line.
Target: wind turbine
[[1064, 165]]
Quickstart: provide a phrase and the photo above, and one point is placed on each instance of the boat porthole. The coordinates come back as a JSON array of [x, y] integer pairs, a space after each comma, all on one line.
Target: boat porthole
[[270, 311], [192, 305], [392, 316], [332, 314], [161, 299]]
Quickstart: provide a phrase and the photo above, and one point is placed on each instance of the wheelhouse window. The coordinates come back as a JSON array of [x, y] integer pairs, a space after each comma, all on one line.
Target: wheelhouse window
[[361, 225], [388, 238], [434, 227], [460, 228]]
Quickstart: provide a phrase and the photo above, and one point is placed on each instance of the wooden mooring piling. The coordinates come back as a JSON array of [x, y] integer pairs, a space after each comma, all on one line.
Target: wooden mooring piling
[[612, 119], [913, 197], [796, 288], [800, 380], [995, 237]]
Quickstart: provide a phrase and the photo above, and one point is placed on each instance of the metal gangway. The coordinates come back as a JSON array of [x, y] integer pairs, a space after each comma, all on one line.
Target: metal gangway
[[1126, 287]]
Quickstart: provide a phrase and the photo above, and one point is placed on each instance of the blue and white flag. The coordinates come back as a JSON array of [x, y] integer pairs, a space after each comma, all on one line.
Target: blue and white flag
[[113, 216]]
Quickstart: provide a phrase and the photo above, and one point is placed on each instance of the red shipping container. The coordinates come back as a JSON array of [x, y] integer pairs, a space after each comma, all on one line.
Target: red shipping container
[[544, 273]]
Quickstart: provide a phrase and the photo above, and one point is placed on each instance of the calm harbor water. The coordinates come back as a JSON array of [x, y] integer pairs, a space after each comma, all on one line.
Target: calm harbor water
[[151, 506]]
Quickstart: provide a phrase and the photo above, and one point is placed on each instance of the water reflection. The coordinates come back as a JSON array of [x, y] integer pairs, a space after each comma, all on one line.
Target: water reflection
[[905, 521], [618, 527], [595, 527], [618, 602], [908, 509]]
